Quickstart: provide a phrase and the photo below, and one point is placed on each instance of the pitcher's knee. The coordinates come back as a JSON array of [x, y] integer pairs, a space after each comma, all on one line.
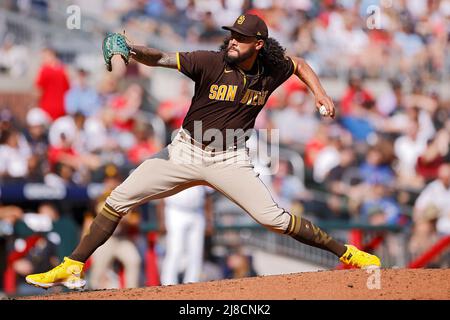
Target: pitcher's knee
[[277, 221], [119, 202]]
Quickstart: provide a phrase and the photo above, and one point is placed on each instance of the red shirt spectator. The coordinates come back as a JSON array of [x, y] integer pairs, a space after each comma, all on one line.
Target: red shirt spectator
[[123, 124], [429, 169], [380, 36], [312, 148], [53, 83], [60, 154], [173, 110], [146, 144], [355, 93], [293, 85], [126, 106], [141, 151], [315, 145]]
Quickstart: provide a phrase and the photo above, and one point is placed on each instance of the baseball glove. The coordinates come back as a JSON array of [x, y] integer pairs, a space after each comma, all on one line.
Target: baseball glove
[[115, 43]]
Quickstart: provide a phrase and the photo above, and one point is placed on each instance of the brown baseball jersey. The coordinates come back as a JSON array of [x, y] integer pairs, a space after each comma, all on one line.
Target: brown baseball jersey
[[225, 96]]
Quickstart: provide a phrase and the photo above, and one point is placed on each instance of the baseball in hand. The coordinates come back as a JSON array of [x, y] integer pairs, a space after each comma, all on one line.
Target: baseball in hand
[[323, 111]]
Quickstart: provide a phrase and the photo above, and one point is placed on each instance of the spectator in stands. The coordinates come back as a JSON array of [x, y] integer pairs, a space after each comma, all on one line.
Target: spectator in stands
[[35, 247], [119, 116], [108, 145], [340, 182], [68, 146], [40, 257], [8, 217], [173, 24], [125, 107], [239, 264], [441, 115], [7, 122], [379, 207], [65, 231], [38, 9], [433, 156], [212, 269], [173, 109], [52, 83], [341, 178], [420, 107], [411, 47], [209, 31], [36, 135], [146, 144], [431, 212], [408, 148], [88, 134], [437, 195], [14, 157], [13, 58], [108, 89], [376, 167], [390, 100], [360, 122], [355, 94], [136, 10], [328, 157], [351, 32], [82, 97], [119, 247], [296, 121], [61, 175], [424, 232], [316, 144], [187, 217], [288, 188]]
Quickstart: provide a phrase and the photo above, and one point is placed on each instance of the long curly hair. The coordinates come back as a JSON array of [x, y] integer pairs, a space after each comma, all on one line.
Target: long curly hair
[[271, 55]]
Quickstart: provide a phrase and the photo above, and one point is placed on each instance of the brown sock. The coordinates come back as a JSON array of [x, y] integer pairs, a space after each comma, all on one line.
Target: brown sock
[[101, 230], [306, 232]]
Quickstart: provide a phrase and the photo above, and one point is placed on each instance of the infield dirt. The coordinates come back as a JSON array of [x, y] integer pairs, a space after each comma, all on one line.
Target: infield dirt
[[404, 284]]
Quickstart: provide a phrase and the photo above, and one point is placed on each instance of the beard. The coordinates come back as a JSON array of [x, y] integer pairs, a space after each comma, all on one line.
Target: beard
[[239, 58]]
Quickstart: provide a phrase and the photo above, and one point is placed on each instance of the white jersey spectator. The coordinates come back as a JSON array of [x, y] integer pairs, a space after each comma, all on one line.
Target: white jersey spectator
[[14, 59], [407, 149], [14, 155], [185, 224], [437, 194], [86, 134]]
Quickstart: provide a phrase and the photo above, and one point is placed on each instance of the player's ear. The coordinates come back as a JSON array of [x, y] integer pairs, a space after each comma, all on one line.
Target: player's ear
[[259, 44]]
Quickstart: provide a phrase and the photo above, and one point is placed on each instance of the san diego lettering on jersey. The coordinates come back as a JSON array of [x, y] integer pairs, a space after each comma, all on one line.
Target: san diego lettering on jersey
[[228, 93]]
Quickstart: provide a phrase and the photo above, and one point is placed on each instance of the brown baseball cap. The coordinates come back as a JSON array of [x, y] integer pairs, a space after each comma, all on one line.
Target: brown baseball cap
[[249, 25]]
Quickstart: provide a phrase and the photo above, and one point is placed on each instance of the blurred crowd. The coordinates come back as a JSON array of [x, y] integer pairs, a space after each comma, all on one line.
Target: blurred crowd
[[384, 160], [381, 38]]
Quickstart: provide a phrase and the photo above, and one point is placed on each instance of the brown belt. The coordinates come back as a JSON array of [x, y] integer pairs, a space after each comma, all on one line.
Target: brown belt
[[204, 147]]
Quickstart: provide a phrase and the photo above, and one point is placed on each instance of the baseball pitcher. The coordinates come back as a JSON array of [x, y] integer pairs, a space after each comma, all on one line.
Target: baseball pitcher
[[231, 87]]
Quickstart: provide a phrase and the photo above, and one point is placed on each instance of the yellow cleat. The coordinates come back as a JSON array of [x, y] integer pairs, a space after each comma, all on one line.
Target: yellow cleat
[[69, 274], [360, 259]]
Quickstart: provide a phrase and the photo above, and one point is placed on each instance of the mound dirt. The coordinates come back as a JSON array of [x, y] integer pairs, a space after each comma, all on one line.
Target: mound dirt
[[344, 284]]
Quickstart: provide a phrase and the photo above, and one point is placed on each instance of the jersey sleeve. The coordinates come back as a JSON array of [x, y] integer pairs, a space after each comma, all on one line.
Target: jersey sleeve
[[195, 64], [284, 71]]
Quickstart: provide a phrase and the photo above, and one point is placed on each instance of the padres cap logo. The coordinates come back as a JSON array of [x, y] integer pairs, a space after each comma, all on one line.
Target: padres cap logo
[[249, 25]]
